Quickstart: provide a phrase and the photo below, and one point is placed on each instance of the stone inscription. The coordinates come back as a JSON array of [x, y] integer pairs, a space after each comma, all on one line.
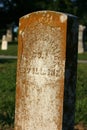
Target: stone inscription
[[44, 59], [41, 78], [39, 58]]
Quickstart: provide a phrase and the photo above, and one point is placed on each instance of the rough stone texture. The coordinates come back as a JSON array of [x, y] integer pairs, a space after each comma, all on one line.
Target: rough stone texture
[[46, 69]]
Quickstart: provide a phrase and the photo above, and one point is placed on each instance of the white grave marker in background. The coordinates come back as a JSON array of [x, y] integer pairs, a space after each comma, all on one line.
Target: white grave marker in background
[[4, 44]]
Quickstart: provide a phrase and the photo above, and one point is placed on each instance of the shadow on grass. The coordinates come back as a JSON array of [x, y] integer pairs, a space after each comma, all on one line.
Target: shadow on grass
[[3, 61]]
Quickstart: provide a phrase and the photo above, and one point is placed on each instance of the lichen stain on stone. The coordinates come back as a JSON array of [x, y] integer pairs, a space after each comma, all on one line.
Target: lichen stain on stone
[[41, 74]]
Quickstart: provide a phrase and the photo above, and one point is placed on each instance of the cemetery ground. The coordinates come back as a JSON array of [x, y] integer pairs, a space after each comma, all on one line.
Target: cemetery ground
[[8, 87]]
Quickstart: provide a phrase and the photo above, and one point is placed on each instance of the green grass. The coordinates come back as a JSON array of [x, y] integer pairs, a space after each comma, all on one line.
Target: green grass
[[81, 94], [82, 56], [7, 91], [12, 49]]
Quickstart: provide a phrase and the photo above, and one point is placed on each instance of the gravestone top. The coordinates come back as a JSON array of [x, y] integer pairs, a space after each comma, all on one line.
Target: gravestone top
[[50, 12], [4, 38], [46, 17], [81, 27]]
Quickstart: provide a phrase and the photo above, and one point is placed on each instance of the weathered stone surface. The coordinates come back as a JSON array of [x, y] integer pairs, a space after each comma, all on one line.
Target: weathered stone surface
[[46, 69]]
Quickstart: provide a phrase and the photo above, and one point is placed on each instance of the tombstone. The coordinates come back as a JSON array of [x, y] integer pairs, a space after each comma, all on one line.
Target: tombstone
[[4, 44], [80, 39], [46, 71], [9, 35]]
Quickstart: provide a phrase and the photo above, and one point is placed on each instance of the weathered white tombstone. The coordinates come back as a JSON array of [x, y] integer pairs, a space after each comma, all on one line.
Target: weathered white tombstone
[[4, 44], [80, 39], [46, 71], [9, 35]]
